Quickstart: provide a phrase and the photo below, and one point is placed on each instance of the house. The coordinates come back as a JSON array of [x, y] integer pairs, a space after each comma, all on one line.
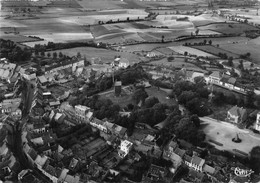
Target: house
[[73, 164], [125, 148], [215, 77], [81, 111], [99, 124], [29, 74], [154, 174], [195, 162], [236, 115], [228, 82], [43, 80], [257, 124], [123, 63]]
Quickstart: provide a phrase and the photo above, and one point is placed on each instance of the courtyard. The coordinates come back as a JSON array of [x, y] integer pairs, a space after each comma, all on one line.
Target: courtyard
[[223, 132]]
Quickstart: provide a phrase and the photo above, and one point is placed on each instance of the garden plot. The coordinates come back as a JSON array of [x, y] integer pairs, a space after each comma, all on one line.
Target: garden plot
[[191, 51]]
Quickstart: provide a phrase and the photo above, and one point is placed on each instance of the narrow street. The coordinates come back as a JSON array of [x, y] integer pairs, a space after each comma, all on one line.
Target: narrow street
[[17, 135]]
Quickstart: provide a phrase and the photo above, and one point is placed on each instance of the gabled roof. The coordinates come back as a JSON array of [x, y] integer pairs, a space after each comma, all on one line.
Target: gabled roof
[[197, 161], [215, 74], [237, 111]]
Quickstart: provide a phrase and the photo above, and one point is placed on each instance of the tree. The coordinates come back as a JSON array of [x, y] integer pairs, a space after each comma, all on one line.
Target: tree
[[54, 55], [248, 54], [241, 65], [162, 38], [42, 53], [60, 55], [79, 55], [185, 53], [139, 95], [255, 159], [170, 59], [230, 61], [210, 42], [150, 102], [186, 96], [128, 19], [197, 32], [205, 41], [196, 120]]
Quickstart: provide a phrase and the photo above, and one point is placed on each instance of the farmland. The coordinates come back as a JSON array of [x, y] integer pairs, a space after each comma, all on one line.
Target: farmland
[[191, 51], [215, 50], [228, 28], [178, 62], [103, 54]]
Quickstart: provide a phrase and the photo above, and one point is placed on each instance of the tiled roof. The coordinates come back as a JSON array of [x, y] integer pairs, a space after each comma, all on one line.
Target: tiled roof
[[215, 74], [237, 111], [197, 161]]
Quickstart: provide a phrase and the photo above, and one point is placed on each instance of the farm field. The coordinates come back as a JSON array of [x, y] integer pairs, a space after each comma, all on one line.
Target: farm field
[[228, 28], [17, 38], [178, 62], [243, 48], [191, 51], [103, 54], [215, 50]]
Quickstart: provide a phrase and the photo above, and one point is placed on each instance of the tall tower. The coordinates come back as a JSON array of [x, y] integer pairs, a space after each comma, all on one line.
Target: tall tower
[[257, 124]]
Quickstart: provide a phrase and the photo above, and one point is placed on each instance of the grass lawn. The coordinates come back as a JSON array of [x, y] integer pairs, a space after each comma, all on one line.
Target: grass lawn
[[160, 94]]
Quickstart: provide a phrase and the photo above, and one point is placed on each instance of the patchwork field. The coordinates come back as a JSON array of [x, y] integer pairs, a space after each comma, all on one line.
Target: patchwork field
[[191, 51], [103, 54]]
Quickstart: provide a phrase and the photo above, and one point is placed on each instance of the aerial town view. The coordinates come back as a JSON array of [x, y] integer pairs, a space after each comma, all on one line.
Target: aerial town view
[[129, 91]]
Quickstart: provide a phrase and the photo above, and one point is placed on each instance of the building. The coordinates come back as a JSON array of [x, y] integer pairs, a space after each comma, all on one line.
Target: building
[[236, 115], [6, 70], [196, 163], [155, 174], [10, 106], [57, 66], [125, 148], [257, 124], [29, 74], [123, 63], [118, 88], [81, 111], [215, 77]]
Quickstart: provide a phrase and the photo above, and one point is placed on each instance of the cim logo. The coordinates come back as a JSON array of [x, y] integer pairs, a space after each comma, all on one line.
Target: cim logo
[[242, 173]]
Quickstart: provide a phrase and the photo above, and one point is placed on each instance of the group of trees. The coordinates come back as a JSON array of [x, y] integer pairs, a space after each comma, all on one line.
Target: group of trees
[[57, 46], [192, 96], [205, 42], [184, 127], [13, 52], [118, 21]]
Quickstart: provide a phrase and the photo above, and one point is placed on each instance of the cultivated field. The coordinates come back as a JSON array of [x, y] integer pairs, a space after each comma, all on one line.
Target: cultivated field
[[103, 54], [178, 62], [251, 46], [215, 50], [228, 28], [191, 51]]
